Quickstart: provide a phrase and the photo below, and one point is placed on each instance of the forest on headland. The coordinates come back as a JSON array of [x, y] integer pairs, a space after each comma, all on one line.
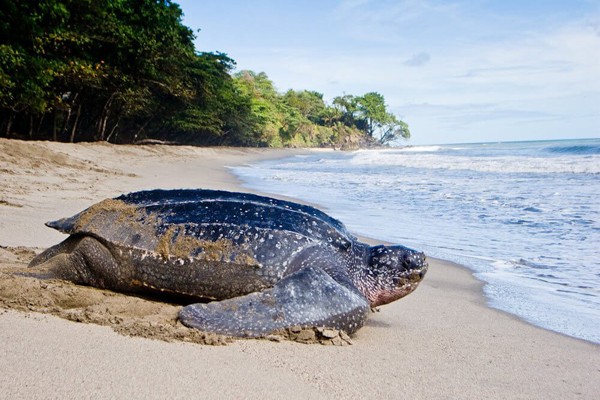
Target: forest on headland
[[127, 71]]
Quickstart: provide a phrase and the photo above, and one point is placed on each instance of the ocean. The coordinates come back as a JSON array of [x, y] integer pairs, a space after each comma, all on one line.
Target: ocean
[[523, 216]]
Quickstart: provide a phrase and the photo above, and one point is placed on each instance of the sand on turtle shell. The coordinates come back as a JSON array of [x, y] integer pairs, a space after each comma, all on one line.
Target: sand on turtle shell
[[126, 314], [174, 242], [125, 211]]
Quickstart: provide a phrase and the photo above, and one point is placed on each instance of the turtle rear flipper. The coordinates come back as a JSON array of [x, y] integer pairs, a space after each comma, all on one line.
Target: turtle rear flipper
[[80, 259], [308, 298], [66, 246]]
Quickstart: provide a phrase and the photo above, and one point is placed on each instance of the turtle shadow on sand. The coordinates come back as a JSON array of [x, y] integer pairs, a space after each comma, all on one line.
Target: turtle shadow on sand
[[376, 323], [272, 268]]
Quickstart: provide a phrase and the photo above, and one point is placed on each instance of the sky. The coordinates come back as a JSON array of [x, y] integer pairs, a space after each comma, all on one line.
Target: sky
[[455, 71]]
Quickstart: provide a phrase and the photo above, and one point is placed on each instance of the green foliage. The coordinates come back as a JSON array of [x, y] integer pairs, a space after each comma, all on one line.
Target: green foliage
[[126, 70], [83, 68], [369, 114], [309, 104]]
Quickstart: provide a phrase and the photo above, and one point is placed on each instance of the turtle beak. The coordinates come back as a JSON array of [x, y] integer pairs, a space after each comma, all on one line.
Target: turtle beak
[[398, 257], [416, 262], [415, 267]]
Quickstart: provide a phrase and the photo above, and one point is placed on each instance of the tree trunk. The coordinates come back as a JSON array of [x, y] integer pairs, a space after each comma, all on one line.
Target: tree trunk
[[37, 131], [9, 124], [142, 128], [104, 116], [69, 112], [113, 131], [30, 126], [66, 123], [74, 129], [54, 127], [103, 128], [371, 130]]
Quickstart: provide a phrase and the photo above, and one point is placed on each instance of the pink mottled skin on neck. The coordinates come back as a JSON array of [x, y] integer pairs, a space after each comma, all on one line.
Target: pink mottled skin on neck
[[383, 297]]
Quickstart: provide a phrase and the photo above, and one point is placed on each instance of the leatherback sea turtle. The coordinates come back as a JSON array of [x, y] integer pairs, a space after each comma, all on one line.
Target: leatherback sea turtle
[[267, 264]]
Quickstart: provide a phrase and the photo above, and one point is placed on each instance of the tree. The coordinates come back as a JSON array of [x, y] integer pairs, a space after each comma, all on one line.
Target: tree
[[216, 112], [309, 104], [393, 131], [346, 107], [266, 119], [374, 119], [372, 113]]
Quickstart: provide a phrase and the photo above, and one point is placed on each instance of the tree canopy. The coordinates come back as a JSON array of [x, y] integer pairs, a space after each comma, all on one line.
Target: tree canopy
[[369, 114], [126, 70]]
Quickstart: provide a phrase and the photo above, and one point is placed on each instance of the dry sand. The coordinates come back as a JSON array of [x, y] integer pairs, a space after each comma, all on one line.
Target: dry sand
[[441, 342]]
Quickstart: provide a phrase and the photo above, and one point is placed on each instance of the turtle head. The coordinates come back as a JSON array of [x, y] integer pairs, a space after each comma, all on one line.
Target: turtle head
[[391, 272]]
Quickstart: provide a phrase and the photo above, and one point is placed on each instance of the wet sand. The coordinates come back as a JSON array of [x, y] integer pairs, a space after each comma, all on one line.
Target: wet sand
[[59, 340]]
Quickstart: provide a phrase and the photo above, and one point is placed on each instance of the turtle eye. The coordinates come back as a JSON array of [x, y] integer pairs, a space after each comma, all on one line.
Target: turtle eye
[[414, 260]]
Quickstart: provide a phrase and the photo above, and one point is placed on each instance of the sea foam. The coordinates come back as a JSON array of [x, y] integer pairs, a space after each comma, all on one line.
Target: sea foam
[[524, 216]]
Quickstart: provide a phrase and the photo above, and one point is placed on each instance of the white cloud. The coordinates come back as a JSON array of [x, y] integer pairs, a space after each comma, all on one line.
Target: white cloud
[[418, 60]]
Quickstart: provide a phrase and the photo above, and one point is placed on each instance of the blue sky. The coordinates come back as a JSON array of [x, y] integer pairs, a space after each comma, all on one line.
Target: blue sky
[[455, 71]]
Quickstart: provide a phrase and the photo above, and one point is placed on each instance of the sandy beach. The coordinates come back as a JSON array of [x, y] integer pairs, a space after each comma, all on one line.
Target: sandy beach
[[59, 340]]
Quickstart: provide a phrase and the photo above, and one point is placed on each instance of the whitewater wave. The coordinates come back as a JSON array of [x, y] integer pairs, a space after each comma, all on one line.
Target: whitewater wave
[[419, 149], [508, 164]]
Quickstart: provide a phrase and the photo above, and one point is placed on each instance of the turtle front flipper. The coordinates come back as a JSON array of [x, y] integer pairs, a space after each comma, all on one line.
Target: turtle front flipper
[[308, 298]]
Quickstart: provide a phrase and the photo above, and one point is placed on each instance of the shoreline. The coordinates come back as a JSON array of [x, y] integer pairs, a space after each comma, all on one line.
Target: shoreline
[[441, 341]]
